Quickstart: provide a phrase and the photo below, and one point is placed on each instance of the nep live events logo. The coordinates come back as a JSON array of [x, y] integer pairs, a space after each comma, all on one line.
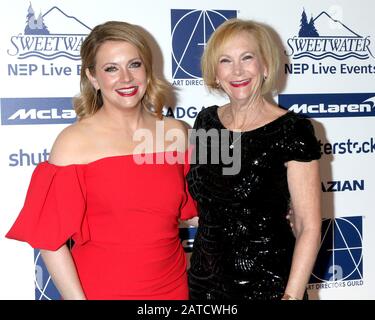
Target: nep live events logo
[[327, 38], [50, 36]]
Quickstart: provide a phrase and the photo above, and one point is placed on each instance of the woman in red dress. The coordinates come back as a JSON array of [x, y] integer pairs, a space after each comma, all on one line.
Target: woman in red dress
[[120, 201]]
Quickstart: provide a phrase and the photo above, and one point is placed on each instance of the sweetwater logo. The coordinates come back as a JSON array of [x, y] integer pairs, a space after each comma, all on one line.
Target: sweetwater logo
[[325, 37], [340, 261], [42, 38], [53, 36], [20, 111], [191, 30], [330, 105], [315, 40]]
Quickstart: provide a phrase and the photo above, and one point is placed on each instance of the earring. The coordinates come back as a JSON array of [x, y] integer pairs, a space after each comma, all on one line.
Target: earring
[[218, 84]]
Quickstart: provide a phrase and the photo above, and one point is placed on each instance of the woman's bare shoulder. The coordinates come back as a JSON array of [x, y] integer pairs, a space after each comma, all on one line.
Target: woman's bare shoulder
[[172, 123], [69, 145], [176, 130]]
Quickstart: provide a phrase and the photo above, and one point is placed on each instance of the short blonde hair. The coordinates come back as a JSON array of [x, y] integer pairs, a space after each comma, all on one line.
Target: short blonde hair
[[268, 50], [89, 100]]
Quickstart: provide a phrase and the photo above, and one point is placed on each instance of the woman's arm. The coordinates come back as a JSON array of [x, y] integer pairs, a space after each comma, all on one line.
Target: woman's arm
[[61, 267], [65, 151], [304, 188], [193, 222]]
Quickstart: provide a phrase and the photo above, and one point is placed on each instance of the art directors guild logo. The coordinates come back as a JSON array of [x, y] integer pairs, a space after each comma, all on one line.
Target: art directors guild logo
[[191, 30], [340, 261], [323, 39], [47, 37]]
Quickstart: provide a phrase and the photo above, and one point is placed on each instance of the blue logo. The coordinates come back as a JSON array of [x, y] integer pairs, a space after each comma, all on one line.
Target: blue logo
[[44, 287], [340, 255], [330, 105], [187, 236], [42, 37], [347, 146], [20, 111], [182, 112], [325, 37], [22, 158], [191, 30], [343, 185]]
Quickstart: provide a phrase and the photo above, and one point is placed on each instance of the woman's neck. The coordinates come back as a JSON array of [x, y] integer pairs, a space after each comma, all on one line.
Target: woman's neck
[[129, 119], [244, 115]]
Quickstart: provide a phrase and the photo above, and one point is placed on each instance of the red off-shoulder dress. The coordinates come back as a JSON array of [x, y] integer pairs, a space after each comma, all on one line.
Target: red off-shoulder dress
[[123, 217]]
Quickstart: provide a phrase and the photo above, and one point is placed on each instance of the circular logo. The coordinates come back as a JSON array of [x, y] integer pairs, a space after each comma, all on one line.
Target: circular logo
[[44, 287], [189, 37], [340, 255]]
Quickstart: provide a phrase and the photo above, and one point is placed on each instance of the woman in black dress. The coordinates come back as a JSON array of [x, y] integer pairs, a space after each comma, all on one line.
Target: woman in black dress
[[244, 247]]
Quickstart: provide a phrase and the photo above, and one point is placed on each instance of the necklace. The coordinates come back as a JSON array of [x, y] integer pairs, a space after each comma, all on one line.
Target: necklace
[[231, 146]]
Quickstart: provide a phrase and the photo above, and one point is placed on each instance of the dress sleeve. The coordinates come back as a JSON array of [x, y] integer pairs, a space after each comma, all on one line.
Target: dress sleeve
[[54, 209], [189, 206], [301, 143]]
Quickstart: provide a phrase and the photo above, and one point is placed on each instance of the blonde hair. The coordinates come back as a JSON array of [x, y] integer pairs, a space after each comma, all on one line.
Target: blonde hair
[[268, 50], [89, 100]]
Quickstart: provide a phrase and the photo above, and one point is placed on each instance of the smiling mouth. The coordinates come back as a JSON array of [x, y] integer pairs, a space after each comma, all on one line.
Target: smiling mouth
[[241, 83], [127, 92]]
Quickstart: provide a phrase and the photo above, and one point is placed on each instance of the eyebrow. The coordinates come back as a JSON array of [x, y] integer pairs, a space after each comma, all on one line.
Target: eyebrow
[[117, 63], [241, 55]]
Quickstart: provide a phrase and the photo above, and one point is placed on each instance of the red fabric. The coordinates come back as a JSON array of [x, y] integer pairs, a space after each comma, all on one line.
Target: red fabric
[[123, 218]]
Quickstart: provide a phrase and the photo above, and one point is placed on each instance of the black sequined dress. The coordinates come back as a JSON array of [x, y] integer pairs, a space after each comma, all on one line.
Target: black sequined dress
[[244, 245]]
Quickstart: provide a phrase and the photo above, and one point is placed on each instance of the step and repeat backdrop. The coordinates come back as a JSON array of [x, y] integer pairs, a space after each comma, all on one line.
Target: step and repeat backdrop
[[328, 53]]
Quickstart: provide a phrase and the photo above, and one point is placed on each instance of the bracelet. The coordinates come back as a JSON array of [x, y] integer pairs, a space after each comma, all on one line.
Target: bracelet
[[288, 297]]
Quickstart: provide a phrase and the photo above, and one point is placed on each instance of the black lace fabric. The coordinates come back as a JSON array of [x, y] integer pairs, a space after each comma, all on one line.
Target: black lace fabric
[[244, 244]]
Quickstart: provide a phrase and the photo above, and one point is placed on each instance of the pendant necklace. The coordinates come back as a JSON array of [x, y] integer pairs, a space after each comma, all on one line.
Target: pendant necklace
[[231, 146]]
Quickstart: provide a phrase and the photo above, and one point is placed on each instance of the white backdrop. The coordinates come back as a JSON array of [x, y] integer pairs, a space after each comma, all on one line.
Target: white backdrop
[[328, 75]]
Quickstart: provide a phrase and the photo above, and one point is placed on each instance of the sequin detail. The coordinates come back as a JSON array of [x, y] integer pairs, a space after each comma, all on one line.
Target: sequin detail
[[244, 245]]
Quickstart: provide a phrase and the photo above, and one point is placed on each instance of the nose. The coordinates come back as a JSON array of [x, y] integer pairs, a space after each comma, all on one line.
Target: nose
[[126, 75], [237, 68]]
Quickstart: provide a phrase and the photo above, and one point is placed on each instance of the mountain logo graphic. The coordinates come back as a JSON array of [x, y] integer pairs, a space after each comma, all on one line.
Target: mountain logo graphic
[[190, 31], [317, 40], [340, 255], [49, 36]]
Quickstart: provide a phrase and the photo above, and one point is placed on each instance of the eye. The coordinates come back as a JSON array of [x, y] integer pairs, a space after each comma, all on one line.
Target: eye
[[110, 69], [135, 64], [224, 60], [247, 57]]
